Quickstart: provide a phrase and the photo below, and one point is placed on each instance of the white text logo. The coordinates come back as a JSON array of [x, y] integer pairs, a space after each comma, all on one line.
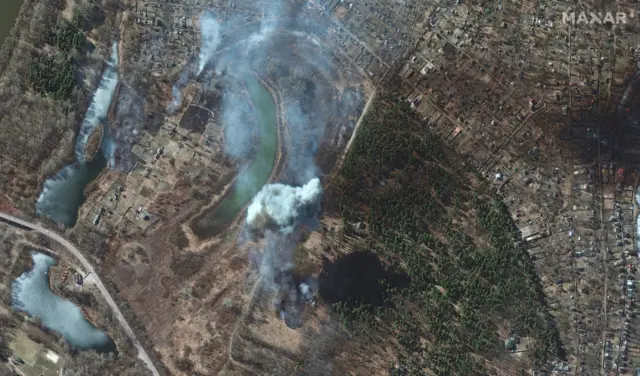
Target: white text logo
[[593, 18]]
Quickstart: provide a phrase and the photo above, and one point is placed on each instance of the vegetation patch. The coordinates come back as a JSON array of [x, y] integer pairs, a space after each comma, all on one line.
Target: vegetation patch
[[185, 265], [93, 143], [54, 74], [469, 277]]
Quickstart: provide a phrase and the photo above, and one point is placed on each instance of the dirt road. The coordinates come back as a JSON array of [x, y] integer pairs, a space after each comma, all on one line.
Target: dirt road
[[355, 129], [142, 354]]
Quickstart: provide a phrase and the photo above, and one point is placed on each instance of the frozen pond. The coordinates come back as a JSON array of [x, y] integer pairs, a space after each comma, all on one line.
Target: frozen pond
[[63, 194], [31, 293]]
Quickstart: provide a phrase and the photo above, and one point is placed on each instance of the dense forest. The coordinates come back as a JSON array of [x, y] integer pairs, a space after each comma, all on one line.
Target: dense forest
[[55, 74], [436, 221]]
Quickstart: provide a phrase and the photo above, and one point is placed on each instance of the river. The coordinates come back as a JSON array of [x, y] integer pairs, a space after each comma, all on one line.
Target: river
[[31, 293], [10, 9], [252, 177], [63, 194]]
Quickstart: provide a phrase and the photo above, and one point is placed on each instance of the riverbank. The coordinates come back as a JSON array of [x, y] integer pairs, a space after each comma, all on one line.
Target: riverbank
[[89, 313], [197, 242], [93, 143], [38, 131], [278, 165], [283, 132], [25, 263], [63, 194]]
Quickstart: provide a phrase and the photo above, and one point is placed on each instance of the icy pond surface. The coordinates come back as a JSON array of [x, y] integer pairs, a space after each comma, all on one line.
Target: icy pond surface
[[63, 193], [31, 293]]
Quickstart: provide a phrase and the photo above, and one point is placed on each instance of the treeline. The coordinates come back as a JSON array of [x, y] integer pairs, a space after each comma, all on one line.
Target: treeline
[[457, 244], [37, 132], [55, 75]]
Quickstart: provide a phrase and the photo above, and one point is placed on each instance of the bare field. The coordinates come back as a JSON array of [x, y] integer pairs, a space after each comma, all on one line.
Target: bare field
[[189, 301]]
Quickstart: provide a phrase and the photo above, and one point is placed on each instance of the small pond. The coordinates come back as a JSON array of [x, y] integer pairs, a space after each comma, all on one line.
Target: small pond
[[31, 293]]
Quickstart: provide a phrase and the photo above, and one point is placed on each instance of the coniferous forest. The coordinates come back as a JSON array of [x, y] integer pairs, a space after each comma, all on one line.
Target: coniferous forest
[[438, 222]]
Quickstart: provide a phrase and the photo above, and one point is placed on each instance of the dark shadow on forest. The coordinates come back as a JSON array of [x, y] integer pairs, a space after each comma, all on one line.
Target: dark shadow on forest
[[359, 277]]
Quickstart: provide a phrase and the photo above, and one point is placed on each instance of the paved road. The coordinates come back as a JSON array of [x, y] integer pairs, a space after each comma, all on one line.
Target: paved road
[[142, 354]]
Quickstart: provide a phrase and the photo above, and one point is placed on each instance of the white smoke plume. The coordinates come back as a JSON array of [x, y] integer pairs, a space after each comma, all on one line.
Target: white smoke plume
[[276, 211], [176, 92], [210, 34], [210, 31], [283, 206], [267, 29], [176, 100], [238, 46]]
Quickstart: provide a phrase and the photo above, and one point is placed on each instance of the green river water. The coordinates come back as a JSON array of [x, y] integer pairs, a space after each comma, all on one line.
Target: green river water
[[255, 175], [8, 16]]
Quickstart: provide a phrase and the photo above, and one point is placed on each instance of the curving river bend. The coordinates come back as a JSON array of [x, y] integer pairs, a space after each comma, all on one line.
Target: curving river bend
[[252, 177]]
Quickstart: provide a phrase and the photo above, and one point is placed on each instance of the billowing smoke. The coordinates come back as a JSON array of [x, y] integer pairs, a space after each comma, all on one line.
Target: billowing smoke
[[277, 255], [276, 211], [210, 31], [129, 119], [276, 269], [309, 290], [176, 91], [288, 303], [281, 207], [276, 47]]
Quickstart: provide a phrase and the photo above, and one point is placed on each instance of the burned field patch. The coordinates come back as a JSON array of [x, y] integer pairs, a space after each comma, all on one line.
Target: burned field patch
[[204, 109], [211, 100], [195, 119]]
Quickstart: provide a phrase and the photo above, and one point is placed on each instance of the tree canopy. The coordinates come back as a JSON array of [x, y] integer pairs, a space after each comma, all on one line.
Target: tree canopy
[[54, 74], [470, 278]]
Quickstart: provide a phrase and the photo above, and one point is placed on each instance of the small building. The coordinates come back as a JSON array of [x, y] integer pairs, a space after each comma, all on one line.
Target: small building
[[144, 215], [530, 232], [53, 357], [561, 367]]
